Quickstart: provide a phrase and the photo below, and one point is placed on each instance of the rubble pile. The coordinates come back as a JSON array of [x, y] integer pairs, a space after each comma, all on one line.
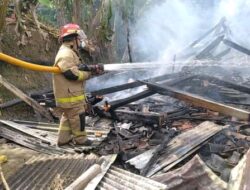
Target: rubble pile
[[183, 130]]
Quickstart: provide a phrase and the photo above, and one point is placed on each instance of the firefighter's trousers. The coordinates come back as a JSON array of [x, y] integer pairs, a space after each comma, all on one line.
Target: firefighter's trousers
[[72, 126]]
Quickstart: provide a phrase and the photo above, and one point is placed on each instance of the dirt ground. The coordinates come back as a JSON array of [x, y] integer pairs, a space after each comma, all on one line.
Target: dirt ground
[[16, 156], [28, 82]]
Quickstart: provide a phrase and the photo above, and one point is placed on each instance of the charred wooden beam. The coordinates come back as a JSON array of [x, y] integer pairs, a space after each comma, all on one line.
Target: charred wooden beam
[[222, 21], [148, 118], [210, 47], [236, 46], [31, 102], [118, 103], [224, 83], [223, 53], [199, 101], [132, 85], [10, 103], [158, 151]]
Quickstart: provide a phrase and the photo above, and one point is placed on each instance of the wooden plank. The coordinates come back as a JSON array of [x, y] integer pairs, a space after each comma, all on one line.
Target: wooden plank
[[25, 98], [82, 181], [199, 101]]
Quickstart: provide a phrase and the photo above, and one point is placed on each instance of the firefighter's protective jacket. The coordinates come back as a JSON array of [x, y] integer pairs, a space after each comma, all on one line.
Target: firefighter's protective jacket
[[69, 93]]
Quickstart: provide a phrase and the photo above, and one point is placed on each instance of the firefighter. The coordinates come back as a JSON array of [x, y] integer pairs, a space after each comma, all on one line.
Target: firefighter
[[69, 85]]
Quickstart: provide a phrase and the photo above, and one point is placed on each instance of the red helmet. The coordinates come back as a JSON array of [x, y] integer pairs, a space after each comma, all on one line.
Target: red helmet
[[70, 29]]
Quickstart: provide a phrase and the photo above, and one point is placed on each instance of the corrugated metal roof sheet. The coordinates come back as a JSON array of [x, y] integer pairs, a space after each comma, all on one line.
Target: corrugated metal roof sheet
[[119, 179], [193, 175], [240, 175], [26, 133], [41, 172], [177, 149]]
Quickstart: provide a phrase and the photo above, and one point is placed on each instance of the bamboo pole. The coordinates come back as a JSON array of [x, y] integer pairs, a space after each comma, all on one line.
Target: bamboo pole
[[5, 184]]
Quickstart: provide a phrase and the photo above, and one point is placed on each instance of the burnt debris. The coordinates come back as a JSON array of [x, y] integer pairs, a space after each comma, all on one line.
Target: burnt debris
[[188, 128]]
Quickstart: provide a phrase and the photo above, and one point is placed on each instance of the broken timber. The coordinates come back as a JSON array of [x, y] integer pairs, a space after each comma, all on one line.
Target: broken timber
[[199, 101], [177, 148], [236, 46], [122, 102], [210, 47], [144, 117], [25, 98], [133, 84]]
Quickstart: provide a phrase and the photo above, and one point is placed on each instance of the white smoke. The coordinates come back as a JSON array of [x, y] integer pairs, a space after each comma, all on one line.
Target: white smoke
[[168, 27]]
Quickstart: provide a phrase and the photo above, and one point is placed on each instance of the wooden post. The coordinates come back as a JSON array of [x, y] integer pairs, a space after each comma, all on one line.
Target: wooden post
[[82, 181], [26, 98], [199, 101]]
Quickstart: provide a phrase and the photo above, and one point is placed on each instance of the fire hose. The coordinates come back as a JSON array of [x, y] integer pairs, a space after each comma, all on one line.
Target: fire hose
[[105, 67], [27, 65]]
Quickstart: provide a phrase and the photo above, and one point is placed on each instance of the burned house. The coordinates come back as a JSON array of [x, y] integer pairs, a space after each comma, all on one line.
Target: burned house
[[187, 128]]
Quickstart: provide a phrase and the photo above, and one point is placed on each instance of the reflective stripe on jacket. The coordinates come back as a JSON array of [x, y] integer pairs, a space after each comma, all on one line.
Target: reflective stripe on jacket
[[69, 93]]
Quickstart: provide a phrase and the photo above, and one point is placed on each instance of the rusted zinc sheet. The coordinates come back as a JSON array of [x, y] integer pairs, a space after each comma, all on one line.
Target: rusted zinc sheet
[[193, 175], [199, 101], [240, 175], [177, 149], [51, 172], [120, 179]]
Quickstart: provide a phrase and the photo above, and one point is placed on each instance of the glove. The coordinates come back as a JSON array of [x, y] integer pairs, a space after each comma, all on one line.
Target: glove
[[94, 69]]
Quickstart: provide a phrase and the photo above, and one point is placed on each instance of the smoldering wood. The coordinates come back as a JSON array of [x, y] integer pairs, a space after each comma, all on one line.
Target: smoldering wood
[[222, 21], [210, 47], [224, 83], [181, 145], [10, 103], [31, 102], [119, 103], [157, 153], [147, 118], [184, 55], [199, 101], [222, 54], [236, 46], [132, 85]]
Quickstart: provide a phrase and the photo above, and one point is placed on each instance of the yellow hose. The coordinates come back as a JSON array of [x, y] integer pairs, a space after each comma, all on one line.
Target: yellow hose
[[27, 65]]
